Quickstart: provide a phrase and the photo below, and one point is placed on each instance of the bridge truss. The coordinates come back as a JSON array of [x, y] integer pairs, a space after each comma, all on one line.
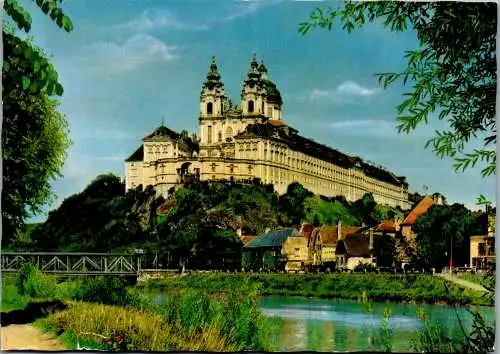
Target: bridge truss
[[73, 263]]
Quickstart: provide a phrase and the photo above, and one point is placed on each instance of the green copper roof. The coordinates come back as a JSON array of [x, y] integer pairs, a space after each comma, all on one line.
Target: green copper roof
[[273, 238], [272, 92]]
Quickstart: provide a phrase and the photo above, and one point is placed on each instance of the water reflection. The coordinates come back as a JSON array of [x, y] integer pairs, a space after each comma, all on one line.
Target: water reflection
[[340, 325]]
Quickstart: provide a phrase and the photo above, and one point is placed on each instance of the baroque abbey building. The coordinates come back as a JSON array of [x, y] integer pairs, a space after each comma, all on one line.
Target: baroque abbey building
[[253, 142]]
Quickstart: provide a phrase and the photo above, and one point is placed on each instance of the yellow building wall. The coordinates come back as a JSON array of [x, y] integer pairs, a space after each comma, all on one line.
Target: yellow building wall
[[328, 253]]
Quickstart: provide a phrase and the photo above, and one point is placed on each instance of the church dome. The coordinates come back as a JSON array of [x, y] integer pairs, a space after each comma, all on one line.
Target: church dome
[[273, 95]]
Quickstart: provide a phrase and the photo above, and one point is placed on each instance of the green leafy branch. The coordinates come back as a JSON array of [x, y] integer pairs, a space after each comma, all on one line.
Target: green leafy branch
[[23, 54], [453, 72]]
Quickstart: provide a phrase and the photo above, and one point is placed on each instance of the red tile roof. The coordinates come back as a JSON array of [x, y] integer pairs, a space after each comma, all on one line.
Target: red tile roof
[[387, 226], [419, 210]]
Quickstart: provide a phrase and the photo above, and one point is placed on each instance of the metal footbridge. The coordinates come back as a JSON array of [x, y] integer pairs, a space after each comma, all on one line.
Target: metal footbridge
[[112, 264]]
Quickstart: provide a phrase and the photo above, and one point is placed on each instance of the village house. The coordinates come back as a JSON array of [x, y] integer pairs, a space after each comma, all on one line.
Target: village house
[[323, 242], [282, 249], [406, 239], [354, 249], [482, 248]]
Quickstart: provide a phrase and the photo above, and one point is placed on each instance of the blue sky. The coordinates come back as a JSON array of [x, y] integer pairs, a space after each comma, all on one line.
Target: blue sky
[[127, 64]]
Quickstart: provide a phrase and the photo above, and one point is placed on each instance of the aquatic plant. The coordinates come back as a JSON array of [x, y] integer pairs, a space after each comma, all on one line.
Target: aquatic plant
[[384, 337]]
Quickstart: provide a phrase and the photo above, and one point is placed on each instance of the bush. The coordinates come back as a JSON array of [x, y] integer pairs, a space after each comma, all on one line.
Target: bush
[[105, 290], [365, 267], [33, 283]]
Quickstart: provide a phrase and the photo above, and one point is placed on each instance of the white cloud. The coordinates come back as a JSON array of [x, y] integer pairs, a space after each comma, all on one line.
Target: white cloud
[[136, 51], [343, 92], [247, 7], [154, 19], [352, 88]]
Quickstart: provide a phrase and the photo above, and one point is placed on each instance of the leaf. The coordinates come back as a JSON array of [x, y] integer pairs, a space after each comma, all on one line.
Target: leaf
[[26, 82], [67, 24], [59, 89], [6, 66], [45, 7], [33, 87]]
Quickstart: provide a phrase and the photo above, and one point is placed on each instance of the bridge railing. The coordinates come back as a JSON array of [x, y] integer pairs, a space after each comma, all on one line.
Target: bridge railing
[[73, 263]]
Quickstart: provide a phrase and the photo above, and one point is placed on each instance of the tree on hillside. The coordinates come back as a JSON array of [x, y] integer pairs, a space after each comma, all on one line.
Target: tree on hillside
[[452, 74], [34, 133], [292, 204], [364, 208], [385, 212], [443, 230], [100, 218]]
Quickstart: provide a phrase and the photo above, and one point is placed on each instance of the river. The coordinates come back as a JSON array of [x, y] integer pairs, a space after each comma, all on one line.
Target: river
[[342, 325]]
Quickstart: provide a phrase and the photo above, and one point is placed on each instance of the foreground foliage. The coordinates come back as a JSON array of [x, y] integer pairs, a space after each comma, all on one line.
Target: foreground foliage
[[34, 134], [130, 319]]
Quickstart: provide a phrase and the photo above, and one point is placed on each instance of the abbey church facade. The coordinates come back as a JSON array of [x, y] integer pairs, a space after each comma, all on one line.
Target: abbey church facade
[[252, 141]]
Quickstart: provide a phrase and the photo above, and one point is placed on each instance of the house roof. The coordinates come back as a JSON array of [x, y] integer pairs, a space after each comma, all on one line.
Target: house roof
[[245, 239], [162, 133], [419, 210], [273, 238], [329, 234], [138, 155], [306, 229], [354, 245], [387, 226]]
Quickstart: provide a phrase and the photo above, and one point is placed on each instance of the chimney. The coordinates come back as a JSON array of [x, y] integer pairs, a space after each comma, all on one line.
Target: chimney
[[267, 230], [238, 231], [370, 247], [339, 230]]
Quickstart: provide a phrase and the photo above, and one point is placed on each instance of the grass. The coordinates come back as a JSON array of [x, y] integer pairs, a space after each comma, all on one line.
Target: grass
[[145, 331], [11, 299], [378, 287], [188, 320], [477, 279]]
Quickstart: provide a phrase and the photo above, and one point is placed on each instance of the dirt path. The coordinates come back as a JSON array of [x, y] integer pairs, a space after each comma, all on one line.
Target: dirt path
[[463, 283], [27, 337]]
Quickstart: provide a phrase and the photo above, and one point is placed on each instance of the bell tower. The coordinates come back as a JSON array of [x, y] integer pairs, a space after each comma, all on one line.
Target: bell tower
[[272, 102], [253, 91], [212, 94]]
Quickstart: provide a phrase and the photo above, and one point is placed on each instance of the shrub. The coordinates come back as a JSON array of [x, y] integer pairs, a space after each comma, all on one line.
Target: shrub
[[104, 290], [33, 283], [365, 267]]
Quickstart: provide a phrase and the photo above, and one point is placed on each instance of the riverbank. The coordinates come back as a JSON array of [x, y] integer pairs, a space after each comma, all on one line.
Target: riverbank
[[107, 313], [377, 287], [207, 312]]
